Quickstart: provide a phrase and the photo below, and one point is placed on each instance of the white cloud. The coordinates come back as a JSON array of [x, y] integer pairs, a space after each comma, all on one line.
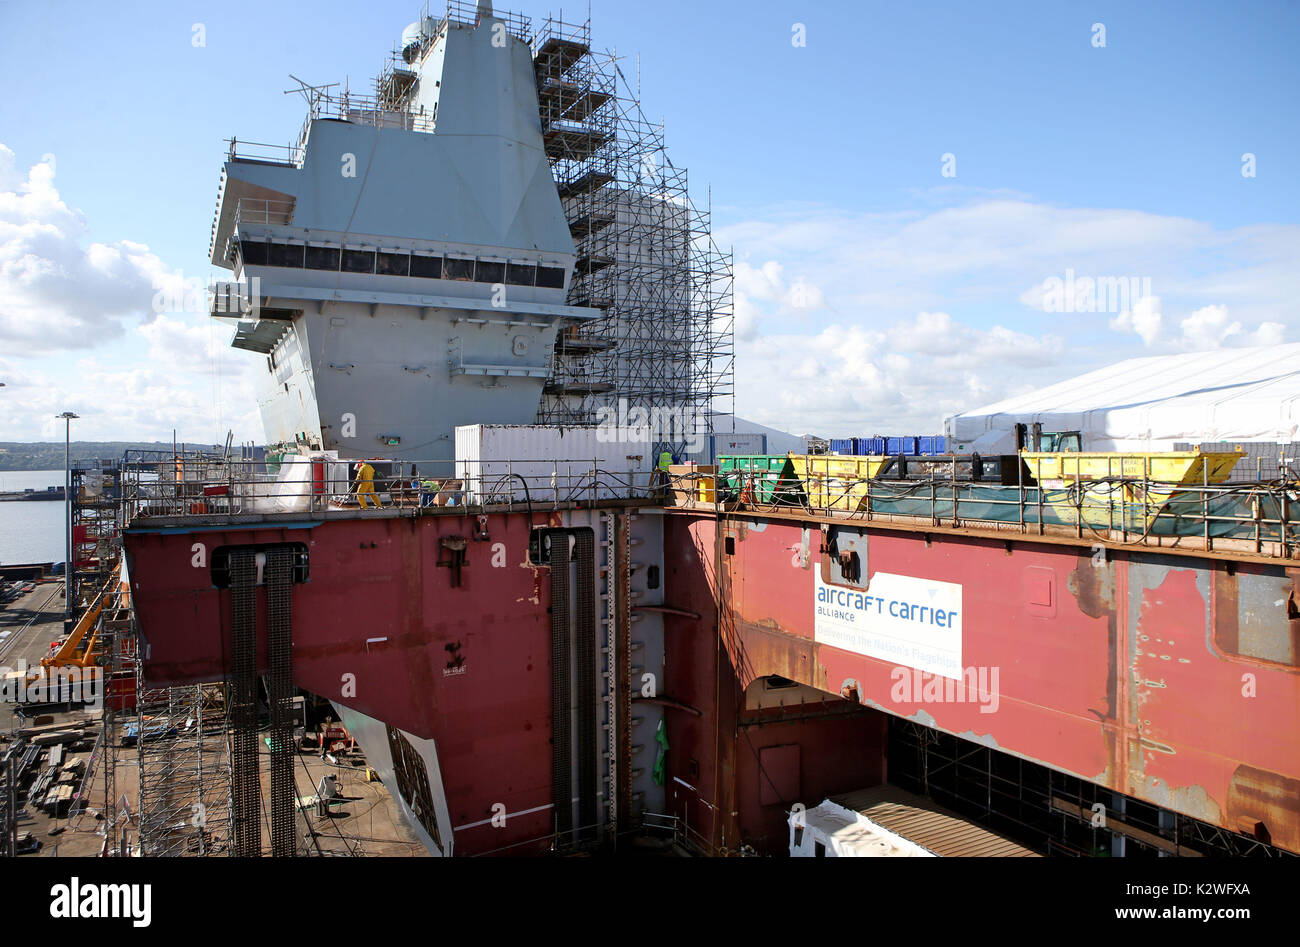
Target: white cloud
[[124, 404], [762, 292], [149, 374], [849, 379], [199, 346], [56, 294], [762, 282], [945, 290], [1206, 328], [1145, 319], [1209, 328], [904, 262]]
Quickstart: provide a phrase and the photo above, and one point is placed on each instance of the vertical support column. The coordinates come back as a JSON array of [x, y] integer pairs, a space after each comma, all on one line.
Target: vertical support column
[[585, 643], [608, 569], [622, 654], [113, 695], [561, 680], [279, 689], [246, 790]]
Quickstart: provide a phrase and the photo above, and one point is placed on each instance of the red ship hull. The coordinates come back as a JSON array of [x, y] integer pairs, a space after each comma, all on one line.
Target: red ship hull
[[1114, 672]]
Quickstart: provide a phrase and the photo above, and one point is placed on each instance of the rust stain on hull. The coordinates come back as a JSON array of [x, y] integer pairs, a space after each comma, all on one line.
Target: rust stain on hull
[[1127, 647], [1266, 806]]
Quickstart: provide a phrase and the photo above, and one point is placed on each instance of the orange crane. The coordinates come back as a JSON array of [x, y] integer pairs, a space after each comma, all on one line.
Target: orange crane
[[78, 649]]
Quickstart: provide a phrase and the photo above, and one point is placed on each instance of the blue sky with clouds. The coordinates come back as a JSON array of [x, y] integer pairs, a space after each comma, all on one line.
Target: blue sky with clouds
[[872, 290]]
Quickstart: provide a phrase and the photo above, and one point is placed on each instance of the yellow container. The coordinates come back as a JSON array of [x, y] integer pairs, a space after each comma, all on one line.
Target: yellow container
[[1181, 467], [836, 481], [1123, 489], [692, 482], [708, 489]]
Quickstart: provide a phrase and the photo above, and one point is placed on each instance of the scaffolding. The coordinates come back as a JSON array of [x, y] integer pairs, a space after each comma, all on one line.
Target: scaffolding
[[176, 737], [645, 253], [119, 700], [180, 735], [9, 807], [96, 526]]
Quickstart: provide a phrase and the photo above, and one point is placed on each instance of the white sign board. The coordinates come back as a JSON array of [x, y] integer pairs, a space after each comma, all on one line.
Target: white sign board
[[907, 621]]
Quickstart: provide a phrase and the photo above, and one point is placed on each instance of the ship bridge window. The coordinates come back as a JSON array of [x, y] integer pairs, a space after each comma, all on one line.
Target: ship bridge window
[[430, 267], [395, 264], [253, 252], [358, 261], [550, 277], [490, 271], [284, 254], [521, 274], [322, 258], [458, 269]]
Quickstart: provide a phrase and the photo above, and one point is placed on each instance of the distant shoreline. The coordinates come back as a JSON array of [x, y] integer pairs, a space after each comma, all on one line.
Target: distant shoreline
[[36, 456]]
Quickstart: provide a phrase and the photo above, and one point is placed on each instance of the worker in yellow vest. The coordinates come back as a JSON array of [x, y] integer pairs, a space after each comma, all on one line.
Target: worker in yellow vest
[[662, 474], [366, 484]]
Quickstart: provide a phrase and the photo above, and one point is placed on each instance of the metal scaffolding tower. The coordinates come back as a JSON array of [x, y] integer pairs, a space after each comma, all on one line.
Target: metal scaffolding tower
[[181, 740], [179, 734], [96, 526], [646, 256]]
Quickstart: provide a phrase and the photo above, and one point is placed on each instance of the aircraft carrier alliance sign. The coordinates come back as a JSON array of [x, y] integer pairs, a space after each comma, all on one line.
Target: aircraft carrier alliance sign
[[907, 621]]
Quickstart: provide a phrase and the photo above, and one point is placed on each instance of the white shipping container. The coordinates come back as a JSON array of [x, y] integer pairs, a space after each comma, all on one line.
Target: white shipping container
[[738, 443], [494, 461]]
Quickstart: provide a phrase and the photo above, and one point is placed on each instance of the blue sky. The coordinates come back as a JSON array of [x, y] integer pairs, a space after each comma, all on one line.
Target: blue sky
[[873, 291]]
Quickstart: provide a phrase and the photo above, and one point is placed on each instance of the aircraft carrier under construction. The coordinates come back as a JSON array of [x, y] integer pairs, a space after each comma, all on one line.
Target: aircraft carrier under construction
[[499, 538]]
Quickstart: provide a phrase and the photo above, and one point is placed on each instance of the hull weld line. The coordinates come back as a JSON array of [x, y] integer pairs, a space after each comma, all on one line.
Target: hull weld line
[[509, 815]]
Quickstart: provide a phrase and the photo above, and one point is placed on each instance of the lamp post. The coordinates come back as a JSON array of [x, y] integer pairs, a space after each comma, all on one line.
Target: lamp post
[[67, 417]]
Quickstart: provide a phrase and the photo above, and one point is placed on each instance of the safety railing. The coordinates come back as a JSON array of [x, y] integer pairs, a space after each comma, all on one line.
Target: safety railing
[[1258, 517], [322, 486], [264, 153], [252, 210], [1263, 518], [685, 836]]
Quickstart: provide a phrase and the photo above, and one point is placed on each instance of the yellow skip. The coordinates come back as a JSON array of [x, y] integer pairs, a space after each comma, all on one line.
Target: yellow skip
[[1123, 486], [836, 481]]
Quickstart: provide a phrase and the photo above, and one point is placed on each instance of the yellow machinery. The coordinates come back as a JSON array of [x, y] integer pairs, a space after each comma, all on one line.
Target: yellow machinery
[[79, 648]]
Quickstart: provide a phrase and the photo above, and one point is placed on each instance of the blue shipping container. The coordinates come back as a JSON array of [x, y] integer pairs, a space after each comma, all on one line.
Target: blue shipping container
[[901, 445], [841, 445], [933, 444], [869, 446]]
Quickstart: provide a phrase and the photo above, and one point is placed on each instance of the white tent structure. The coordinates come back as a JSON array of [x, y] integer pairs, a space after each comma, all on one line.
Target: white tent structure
[[1165, 402]]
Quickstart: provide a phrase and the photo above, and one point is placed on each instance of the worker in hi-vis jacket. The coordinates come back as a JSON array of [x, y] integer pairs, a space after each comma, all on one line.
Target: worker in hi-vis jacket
[[662, 475], [366, 484]]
